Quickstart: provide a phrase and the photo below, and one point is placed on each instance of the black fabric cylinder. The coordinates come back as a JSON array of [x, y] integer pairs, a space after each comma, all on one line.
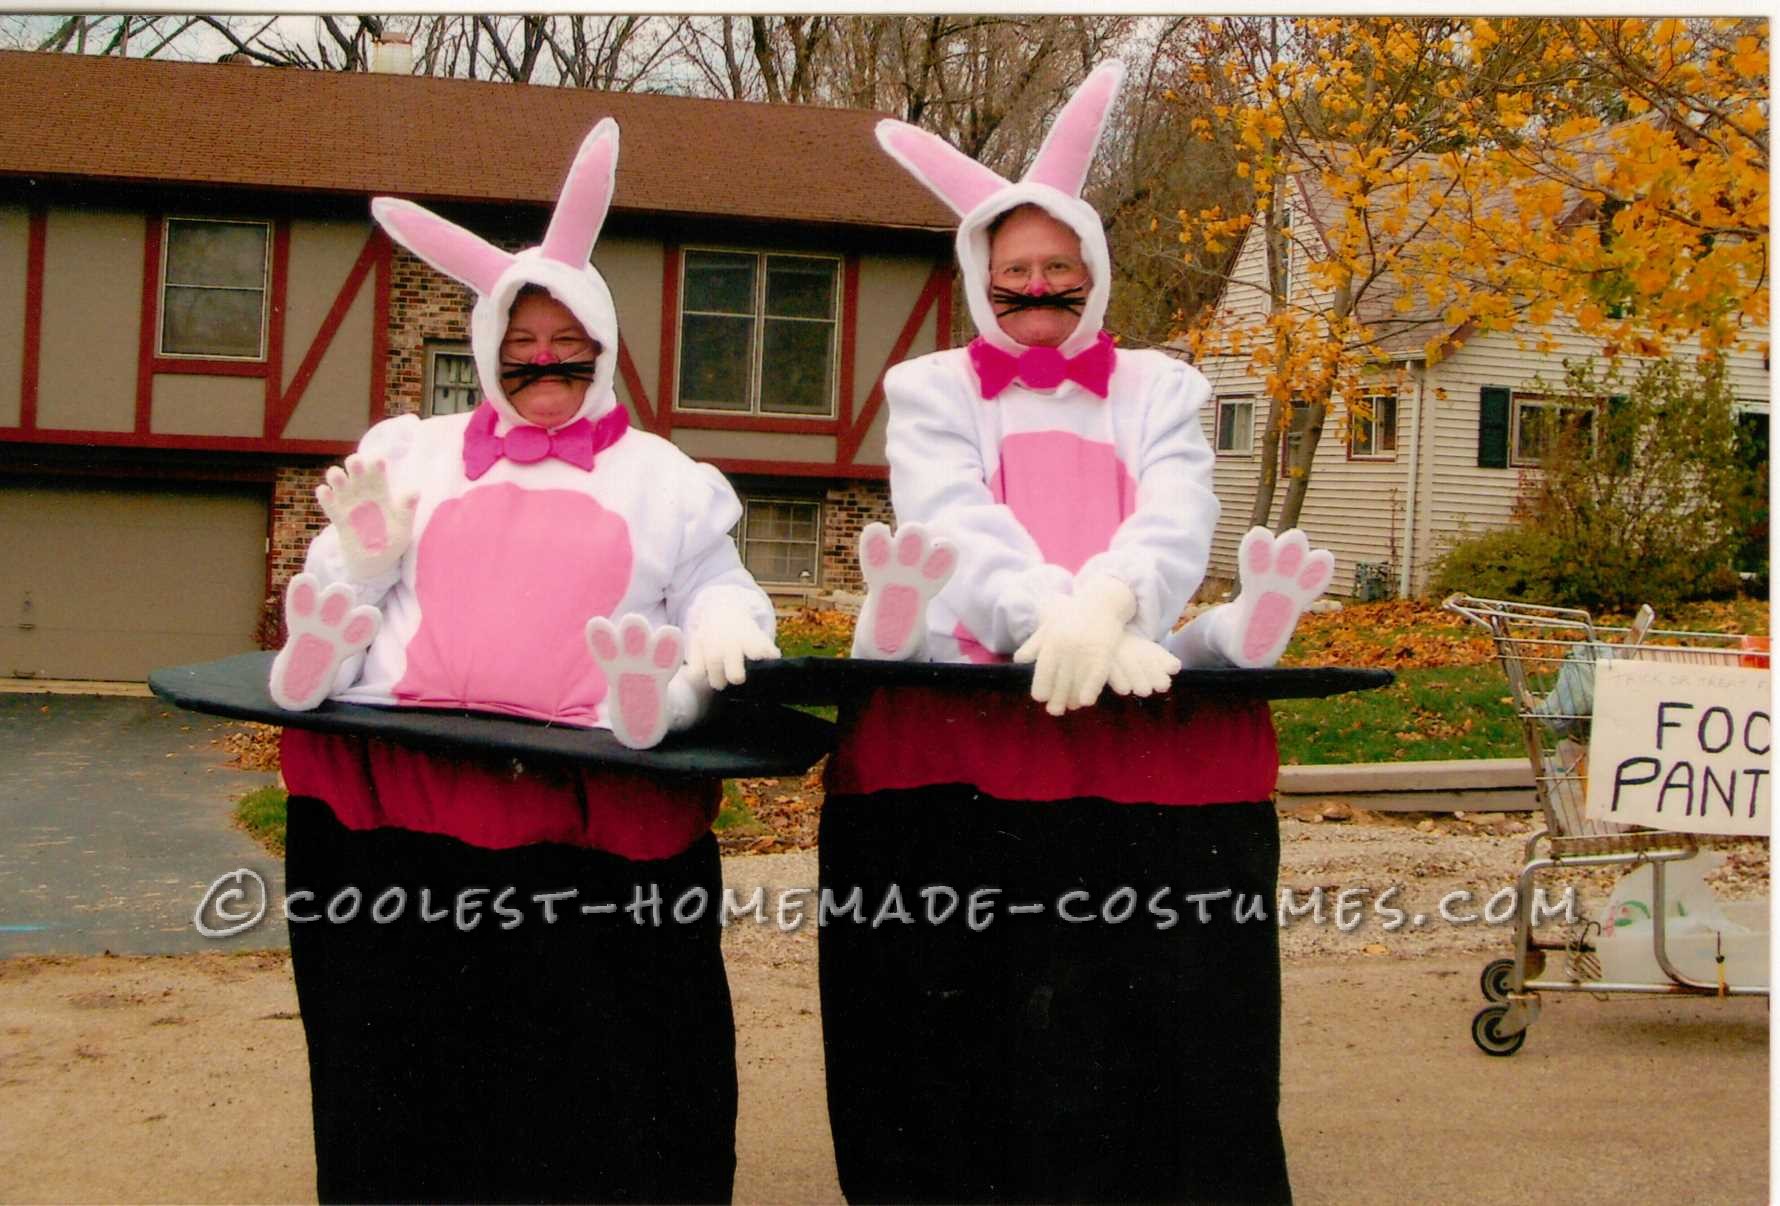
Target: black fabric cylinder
[[587, 1059], [1045, 1059]]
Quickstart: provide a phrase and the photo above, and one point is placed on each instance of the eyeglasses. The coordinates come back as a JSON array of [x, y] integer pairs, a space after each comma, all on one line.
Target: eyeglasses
[[1060, 272]]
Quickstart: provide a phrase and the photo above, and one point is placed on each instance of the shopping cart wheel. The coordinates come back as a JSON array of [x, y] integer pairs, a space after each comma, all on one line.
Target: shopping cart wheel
[[1486, 1032], [1494, 980]]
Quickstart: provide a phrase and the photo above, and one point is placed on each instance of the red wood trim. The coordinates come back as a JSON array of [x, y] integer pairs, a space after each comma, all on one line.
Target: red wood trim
[[151, 308], [138, 439], [938, 281], [275, 322], [849, 337], [767, 423], [28, 371], [942, 336], [800, 469], [380, 323], [199, 366], [670, 328], [633, 383], [279, 414]]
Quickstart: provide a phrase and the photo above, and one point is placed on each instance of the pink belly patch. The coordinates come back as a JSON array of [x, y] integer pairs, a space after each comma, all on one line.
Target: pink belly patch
[[507, 580], [1071, 494]]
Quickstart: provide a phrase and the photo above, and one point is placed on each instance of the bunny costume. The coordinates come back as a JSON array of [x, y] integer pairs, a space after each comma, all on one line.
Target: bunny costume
[[483, 1021], [1053, 1055], [521, 534]]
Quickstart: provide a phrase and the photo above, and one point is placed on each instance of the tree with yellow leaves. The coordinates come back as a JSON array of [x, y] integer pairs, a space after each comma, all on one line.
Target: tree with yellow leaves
[[1421, 178]]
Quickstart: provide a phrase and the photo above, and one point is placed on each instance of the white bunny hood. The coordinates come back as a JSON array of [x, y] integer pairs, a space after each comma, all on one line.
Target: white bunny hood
[[1053, 183], [559, 265]]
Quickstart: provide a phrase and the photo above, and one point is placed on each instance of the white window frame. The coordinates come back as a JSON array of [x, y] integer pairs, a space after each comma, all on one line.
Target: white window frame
[[1355, 421], [1519, 401], [432, 351], [742, 539], [1246, 430], [162, 284], [758, 352]]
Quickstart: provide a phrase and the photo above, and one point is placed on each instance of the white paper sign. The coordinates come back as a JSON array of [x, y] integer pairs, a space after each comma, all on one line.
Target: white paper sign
[[1681, 747]]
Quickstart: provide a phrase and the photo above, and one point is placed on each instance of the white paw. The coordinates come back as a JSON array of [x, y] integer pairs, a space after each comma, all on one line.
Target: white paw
[[902, 573], [324, 629], [1281, 576], [639, 663], [374, 531]]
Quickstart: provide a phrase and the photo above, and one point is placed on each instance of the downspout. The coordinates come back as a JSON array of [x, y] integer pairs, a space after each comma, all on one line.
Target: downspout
[[1405, 573]]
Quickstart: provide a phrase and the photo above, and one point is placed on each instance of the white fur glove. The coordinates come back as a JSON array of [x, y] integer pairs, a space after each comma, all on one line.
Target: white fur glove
[[719, 638], [374, 530], [1141, 667], [1073, 648]]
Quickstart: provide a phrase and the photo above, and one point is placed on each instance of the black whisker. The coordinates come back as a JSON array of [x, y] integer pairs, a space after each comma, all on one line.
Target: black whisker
[[1008, 301], [517, 376]]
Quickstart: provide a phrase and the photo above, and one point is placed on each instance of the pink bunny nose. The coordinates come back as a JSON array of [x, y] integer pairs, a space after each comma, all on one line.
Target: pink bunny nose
[[1038, 288], [544, 358]]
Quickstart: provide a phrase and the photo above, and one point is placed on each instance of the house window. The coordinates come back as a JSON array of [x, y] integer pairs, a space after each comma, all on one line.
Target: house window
[[1236, 425], [213, 288], [1294, 435], [1373, 435], [1534, 423], [781, 540], [451, 385], [757, 333]]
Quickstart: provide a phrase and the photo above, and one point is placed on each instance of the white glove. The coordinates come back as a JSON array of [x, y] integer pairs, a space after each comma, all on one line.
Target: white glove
[[374, 531], [722, 635], [1141, 667], [1074, 645]]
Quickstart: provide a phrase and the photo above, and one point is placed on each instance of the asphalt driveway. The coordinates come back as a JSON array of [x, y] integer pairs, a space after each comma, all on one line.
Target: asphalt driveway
[[115, 822]]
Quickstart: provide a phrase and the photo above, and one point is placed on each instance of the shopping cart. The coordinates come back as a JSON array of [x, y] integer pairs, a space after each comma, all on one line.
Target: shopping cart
[[1549, 655]]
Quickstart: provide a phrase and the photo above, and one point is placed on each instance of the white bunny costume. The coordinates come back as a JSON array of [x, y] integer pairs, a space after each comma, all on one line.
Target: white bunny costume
[[520, 535], [1048, 1057], [1045, 483]]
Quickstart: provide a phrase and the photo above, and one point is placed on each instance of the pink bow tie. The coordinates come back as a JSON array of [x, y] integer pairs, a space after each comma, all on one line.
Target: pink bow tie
[[1043, 368], [577, 443]]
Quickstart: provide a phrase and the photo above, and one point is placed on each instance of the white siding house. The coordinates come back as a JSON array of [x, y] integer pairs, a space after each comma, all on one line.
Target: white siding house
[[1441, 463]]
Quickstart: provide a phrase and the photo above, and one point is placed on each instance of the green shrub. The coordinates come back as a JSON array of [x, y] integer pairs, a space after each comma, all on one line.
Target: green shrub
[[1509, 563], [1643, 495]]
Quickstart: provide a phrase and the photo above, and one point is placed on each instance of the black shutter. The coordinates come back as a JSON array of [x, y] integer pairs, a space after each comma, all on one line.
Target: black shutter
[[1620, 441], [1492, 428]]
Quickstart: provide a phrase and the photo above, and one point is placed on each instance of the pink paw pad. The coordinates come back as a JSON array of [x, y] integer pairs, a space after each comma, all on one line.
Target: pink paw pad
[[369, 526], [1281, 576], [639, 662], [325, 628], [901, 575]]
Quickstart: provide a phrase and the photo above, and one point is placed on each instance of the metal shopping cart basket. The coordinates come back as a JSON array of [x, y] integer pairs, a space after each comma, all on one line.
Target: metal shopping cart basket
[[1549, 655]]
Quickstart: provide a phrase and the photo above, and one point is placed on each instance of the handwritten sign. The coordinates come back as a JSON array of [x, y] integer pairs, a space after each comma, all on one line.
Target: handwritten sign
[[1681, 747]]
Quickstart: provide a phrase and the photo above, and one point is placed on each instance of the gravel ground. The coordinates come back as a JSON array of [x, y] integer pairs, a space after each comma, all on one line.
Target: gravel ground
[[1386, 863]]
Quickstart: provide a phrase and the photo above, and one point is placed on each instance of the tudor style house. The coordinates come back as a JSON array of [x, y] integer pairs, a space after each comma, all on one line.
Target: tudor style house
[[197, 316], [1439, 452]]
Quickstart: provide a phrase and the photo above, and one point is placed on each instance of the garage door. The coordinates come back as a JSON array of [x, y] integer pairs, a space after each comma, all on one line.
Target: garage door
[[108, 581]]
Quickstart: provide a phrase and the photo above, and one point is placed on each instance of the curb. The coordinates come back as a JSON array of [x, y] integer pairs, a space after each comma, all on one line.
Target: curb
[[1453, 785]]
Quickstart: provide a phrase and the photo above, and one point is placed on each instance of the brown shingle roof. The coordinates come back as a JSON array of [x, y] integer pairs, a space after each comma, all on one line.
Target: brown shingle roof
[[79, 116]]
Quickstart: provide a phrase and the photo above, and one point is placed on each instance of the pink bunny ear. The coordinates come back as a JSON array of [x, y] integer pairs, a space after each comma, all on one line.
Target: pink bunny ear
[[954, 177], [1063, 160], [449, 248], [581, 210]]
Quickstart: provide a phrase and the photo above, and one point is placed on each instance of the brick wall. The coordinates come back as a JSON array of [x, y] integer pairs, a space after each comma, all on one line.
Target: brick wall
[[848, 507]]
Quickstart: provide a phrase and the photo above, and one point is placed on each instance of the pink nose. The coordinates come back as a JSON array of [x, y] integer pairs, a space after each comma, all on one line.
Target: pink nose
[[544, 358], [1038, 288]]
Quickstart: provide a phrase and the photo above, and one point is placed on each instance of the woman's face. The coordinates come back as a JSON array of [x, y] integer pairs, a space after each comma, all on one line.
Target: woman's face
[[1033, 254], [541, 330]]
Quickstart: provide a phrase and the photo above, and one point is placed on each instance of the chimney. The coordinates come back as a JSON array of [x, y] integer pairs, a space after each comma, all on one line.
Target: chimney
[[392, 54]]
